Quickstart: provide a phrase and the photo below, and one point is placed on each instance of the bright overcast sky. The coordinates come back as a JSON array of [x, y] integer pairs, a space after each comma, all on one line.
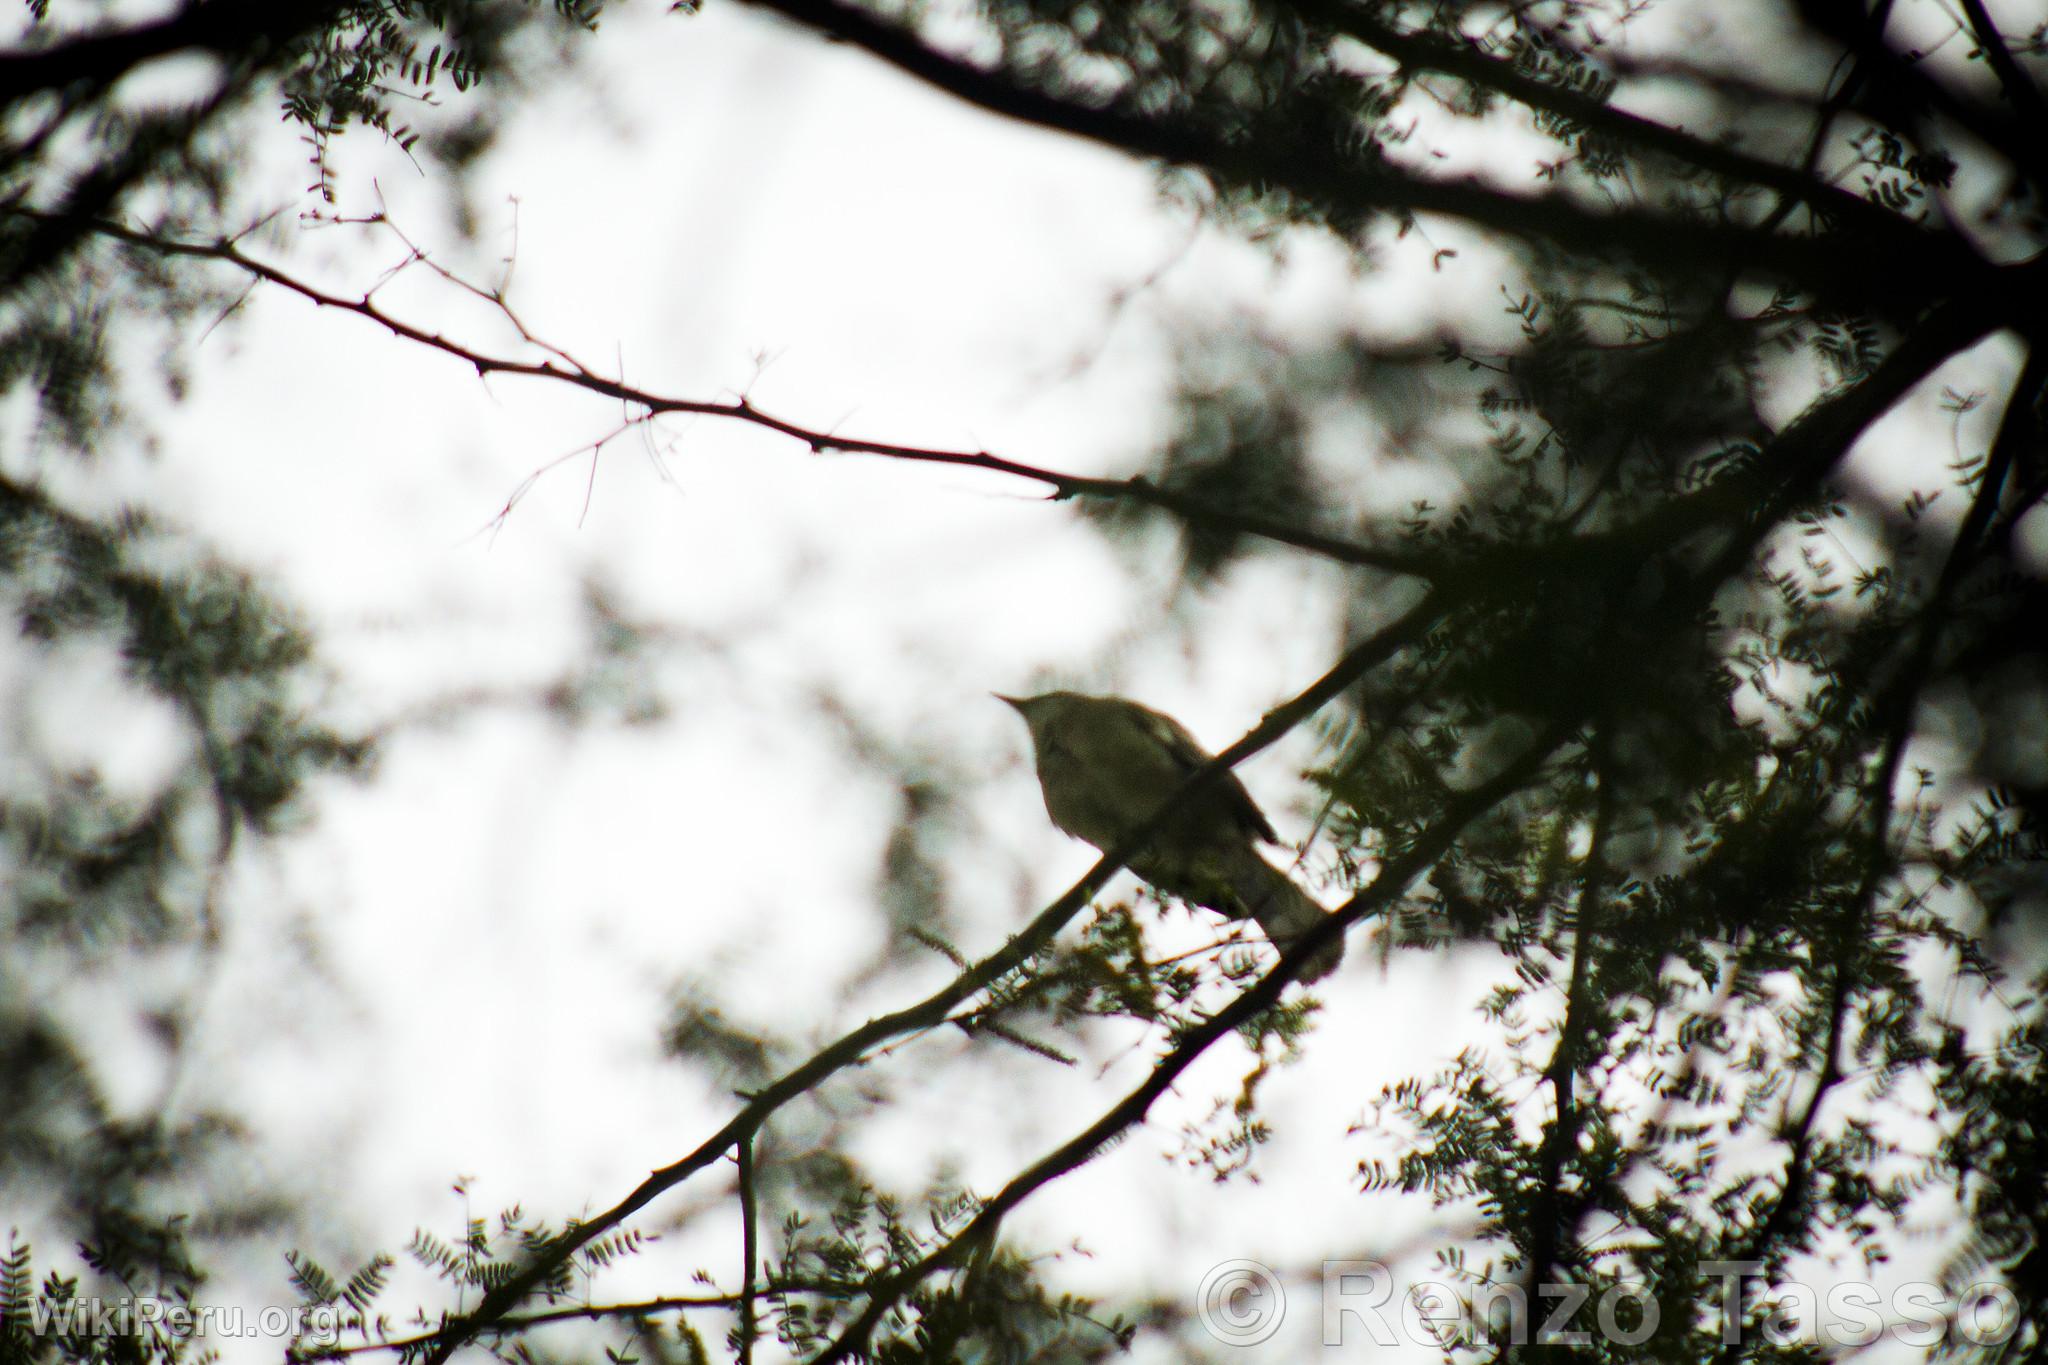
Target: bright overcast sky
[[461, 967]]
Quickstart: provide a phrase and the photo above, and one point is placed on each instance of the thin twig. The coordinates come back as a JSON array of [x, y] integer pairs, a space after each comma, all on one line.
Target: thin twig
[[561, 367]]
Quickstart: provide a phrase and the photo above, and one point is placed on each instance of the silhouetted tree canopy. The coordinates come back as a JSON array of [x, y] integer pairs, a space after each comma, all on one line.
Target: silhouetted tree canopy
[[1738, 761]]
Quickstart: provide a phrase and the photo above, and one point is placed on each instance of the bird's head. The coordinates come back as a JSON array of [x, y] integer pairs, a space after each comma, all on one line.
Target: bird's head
[[1038, 711]]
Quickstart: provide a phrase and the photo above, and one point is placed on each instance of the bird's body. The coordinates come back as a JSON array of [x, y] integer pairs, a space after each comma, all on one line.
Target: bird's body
[[1107, 764]]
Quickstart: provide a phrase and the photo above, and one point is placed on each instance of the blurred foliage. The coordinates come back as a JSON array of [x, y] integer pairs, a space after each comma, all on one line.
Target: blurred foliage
[[100, 878], [996, 1310], [1768, 908], [86, 139], [164, 708]]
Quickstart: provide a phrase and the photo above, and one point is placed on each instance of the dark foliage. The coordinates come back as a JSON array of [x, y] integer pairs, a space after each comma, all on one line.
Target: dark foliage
[[1737, 766]]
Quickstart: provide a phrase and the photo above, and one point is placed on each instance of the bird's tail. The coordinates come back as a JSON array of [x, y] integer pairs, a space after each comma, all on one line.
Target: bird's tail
[[1283, 910]]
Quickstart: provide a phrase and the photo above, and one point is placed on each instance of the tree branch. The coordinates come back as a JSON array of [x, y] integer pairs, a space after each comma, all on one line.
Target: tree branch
[[2016, 296], [565, 369], [1909, 87], [1834, 266], [2023, 94], [1545, 1225], [228, 28], [854, 1046], [748, 1251], [1394, 879], [772, 1289], [1467, 63]]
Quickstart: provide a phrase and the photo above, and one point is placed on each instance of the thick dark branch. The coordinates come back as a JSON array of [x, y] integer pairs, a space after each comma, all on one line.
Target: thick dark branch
[[229, 28], [749, 1230], [2017, 432], [1422, 52], [1904, 89], [2023, 94], [1792, 465], [1838, 267]]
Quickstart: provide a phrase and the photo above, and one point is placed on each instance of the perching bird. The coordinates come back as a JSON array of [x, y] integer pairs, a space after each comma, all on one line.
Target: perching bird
[[1107, 764]]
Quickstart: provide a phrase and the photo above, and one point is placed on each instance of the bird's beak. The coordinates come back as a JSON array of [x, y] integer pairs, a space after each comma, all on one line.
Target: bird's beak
[[1008, 701]]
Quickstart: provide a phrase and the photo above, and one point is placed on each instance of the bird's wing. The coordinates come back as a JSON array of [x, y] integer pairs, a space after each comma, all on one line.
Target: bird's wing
[[1229, 792]]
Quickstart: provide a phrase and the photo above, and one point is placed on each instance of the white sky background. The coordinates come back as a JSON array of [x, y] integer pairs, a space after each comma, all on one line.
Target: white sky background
[[462, 967], [497, 920]]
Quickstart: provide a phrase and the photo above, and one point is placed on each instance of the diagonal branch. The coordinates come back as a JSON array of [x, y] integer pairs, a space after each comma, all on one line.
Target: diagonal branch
[[2015, 295], [1393, 880], [1907, 88], [854, 1046], [2023, 94], [562, 368], [1796, 184], [221, 27], [1834, 266]]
